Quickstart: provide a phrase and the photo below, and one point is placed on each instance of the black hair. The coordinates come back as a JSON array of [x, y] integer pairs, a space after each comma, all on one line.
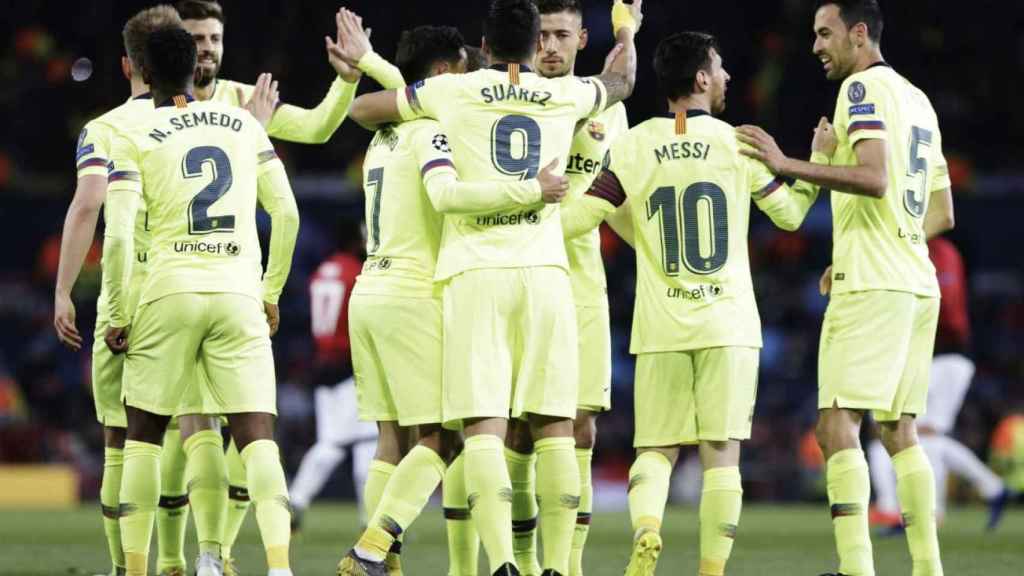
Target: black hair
[[854, 12], [556, 6], [679, 57], [475, 58], [511, 29], [200, 10], [422, 47], [170, 59]]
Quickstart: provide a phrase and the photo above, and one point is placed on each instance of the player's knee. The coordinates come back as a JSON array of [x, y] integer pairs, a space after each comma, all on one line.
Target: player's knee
[[249, 427], [899, 435], [146, 427], [114, 437], [520, 439], [585, 431]]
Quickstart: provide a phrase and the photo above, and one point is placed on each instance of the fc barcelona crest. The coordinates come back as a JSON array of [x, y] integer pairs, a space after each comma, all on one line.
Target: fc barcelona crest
[[596, 130]]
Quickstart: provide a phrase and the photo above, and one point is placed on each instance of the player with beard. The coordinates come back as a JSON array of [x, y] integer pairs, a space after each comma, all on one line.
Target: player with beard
[[562, 37]]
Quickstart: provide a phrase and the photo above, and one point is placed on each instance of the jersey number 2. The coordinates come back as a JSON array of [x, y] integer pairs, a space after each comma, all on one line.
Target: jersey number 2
[[199, 220], [700, 255]]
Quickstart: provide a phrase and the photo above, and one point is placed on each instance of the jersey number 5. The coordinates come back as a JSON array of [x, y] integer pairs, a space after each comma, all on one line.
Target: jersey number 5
[[917, 166], [701, 253], [515, 146], [199, 220]]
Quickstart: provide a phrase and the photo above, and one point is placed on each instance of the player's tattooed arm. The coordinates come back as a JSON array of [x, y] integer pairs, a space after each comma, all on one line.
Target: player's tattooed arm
[[870, 177], [619, 75]]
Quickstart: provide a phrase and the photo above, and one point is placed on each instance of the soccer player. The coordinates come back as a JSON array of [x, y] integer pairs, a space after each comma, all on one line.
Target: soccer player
[[562, 37], [696, 329], [504, 272], [92, 157], [338, 429], [200, 169], [396, 344], [951, 373], [890, 193], [204, 20]]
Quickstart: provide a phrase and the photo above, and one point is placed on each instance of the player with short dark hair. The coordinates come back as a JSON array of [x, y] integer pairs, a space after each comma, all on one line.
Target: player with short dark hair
[[200, 169], [696, 330], [890, 188]]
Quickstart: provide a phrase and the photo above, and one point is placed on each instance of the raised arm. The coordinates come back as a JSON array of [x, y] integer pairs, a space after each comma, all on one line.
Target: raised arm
[[355, 48], [619, 75], [371, 111]]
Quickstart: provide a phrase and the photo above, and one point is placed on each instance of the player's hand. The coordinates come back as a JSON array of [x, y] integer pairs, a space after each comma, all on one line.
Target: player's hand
[[273, 316], [762, 147], [64, 322], [264, 99], [825, 139], [117, 339], [825, 282], [348, 48], [553, 187], [635, 9]]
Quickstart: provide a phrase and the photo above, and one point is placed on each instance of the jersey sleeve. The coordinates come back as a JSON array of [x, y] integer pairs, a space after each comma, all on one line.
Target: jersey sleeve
[[314, 125], [588, 95], [92, 154], [860, 110], [385, 73], [274, 193], [785, 203], [448, 194], [429, 98], [124, 191], [940, 169]]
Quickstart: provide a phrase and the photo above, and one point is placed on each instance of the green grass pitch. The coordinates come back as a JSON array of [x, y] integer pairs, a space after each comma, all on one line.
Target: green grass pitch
[[772, 540]]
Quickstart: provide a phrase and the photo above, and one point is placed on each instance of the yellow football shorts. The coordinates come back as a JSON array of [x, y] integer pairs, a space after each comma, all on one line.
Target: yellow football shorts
[[397, 358], [694, 395], [107, 369], [510, 344], [225, 334], [595, 358], [876, 352]]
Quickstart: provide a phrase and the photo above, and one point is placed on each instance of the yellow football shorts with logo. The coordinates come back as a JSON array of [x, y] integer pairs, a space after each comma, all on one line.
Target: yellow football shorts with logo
[[694, 395], [510, 344], [396, 357], [176, 338], [595, 358], [876, 352], [107, 369]]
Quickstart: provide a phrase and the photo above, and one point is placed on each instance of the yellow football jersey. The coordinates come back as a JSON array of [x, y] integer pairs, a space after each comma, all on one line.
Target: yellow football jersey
[[504, 123], [196, 165], [589, 146], [292, 123], [690, 191], [880, 244], [93, 158], [403, 231]]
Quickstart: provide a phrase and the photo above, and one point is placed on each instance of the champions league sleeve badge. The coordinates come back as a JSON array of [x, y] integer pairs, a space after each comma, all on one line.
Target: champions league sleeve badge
[[856, 92]]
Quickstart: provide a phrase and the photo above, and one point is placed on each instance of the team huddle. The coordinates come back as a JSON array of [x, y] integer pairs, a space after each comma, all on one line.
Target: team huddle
[[479, 324]]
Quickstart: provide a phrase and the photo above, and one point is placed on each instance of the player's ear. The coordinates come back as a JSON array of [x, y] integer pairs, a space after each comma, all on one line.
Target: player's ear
[[485, 49], [126, 68], [584, 37], [860, 33], [702, 81]]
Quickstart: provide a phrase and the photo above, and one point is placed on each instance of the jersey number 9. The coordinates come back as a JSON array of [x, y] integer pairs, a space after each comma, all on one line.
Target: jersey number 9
[[515, 146]]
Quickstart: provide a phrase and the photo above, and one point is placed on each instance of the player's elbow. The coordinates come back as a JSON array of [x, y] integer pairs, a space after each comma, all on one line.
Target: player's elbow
[[361, 113], [876, 183]]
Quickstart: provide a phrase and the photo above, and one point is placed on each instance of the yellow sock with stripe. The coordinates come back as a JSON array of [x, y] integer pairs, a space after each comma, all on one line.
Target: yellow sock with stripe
[[490, 497], [558, 497], [376, 480], [238, 498], [720, 504], [849, 490], [915, 488], [584, 458], [463, 541], [140, 492], [269, 494], [110, 490], [406, 494], [522, 474], [207, 488], [172, 514], [648, 491]]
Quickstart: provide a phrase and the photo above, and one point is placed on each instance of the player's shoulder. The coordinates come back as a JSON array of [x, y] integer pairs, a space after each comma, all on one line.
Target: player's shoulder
[[871, 84], [122, 114], [227, 90]]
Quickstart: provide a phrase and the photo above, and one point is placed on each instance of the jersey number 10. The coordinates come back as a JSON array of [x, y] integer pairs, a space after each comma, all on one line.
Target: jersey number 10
[[699, 257]]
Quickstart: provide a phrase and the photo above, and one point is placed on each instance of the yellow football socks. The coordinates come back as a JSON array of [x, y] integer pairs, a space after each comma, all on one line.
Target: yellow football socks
[[207, 477], [558, 497], [584, 457], [849, 490], [269, 493], [140, 492], [915, 488], [110, 489], [490, 497], [648, 491], [522, 474], [238, 498], [463, 541], [172, 514], [720, 504]]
